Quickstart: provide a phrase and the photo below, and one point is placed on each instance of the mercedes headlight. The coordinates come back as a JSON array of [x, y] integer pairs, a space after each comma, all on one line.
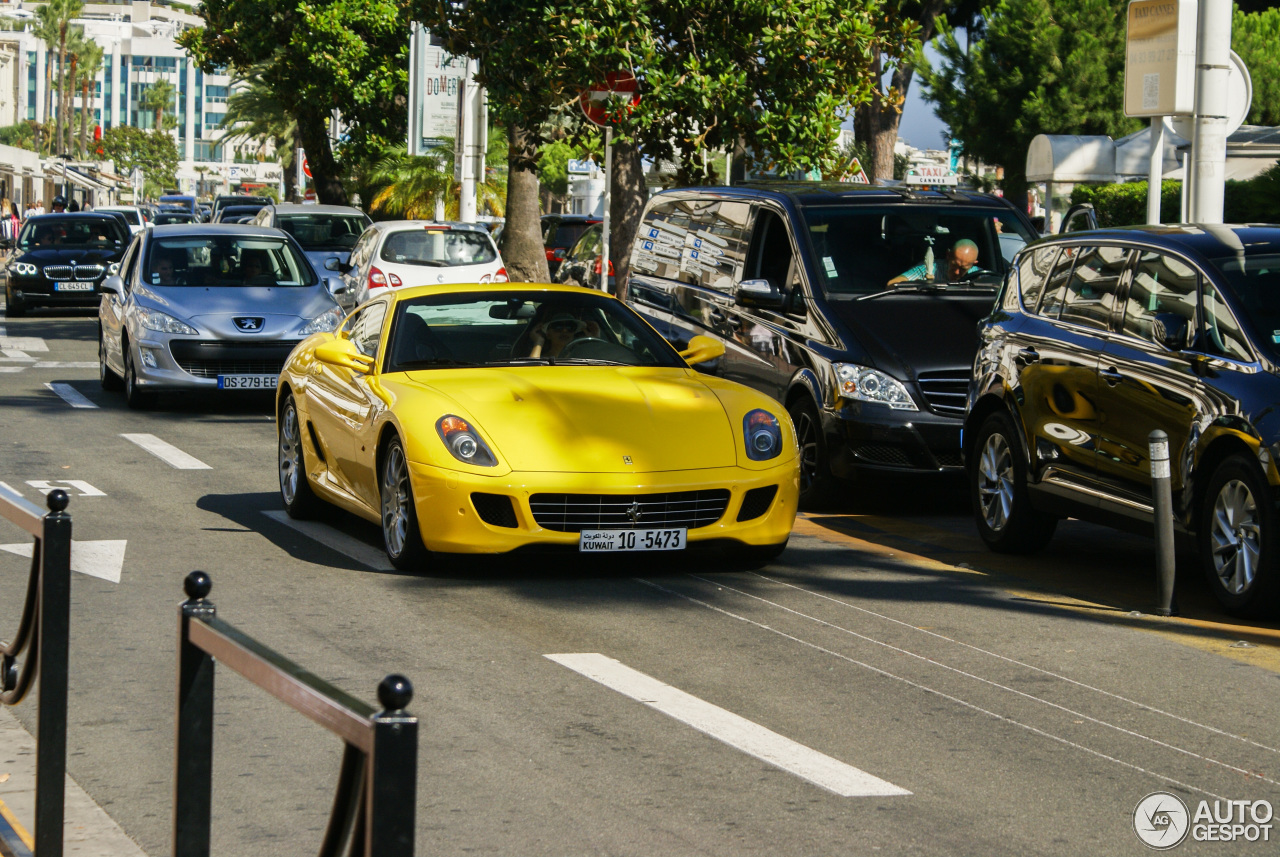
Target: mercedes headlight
[[155, 320], [871, 385], [323, 323], [24, 269], [762, 434], [464, 442]]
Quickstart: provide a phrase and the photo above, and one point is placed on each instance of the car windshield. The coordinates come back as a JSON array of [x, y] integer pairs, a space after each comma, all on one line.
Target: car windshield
[[568, 233], [42, 232], [1255, 281], [324, 231], [165, 218], [438, 248], [859, 249], [226, 260], [509, 328], [129, 215]]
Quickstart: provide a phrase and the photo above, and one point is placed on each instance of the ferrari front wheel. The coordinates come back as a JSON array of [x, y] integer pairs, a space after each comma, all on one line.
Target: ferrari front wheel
[[295, 491], [400, 533]]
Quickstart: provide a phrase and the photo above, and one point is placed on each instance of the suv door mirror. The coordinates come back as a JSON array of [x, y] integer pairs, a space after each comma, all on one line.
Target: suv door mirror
[[113, 285], [759, 293], [1171, 330]]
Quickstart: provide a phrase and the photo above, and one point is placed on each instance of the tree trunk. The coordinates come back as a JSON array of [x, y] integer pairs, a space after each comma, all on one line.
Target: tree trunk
[[291, 169], [313, 134], [69, 99], [62, 83], [84, 119], [522, 249], [626, 203]]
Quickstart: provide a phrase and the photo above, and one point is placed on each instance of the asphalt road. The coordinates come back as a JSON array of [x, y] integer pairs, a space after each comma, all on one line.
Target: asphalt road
[[886, 686]]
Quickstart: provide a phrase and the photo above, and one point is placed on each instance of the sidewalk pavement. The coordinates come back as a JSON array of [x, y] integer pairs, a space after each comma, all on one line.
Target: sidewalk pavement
[[88, 831]]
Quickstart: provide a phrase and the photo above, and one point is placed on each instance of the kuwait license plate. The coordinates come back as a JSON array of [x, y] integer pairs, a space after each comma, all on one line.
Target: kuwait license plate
[[247, 382], [590, 541], [74, 287]]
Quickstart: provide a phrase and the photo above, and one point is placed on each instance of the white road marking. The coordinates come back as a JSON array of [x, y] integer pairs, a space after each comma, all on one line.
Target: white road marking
[[12, 368], [738, 732], [102, 559], [44, 486], [166, 452], [341, 542], [15, 354], [71, 396], [65, 364], [22, 343]]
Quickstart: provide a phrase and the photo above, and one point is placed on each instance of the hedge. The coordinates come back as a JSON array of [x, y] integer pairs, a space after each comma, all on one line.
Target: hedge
[[1254, 201]]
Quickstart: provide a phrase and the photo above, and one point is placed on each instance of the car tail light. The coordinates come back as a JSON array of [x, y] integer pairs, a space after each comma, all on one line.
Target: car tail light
[[596, 269], [552, 253], [377, 279], [501, 276]]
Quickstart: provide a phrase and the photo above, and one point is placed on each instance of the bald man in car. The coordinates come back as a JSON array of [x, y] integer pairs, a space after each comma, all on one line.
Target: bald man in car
[[961, 261]]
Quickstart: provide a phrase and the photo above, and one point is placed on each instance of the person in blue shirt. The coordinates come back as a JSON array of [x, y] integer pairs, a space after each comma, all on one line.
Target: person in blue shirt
[[961, 261]]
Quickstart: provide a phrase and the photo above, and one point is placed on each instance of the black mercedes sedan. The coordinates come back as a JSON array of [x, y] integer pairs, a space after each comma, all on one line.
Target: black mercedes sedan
[[61, 259]]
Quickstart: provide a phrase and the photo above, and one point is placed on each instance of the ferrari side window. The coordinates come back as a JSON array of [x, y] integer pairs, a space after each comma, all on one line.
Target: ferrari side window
[[366, 331]]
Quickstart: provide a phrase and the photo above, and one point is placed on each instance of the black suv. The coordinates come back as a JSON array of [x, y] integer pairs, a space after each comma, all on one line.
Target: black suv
[[795, 280], [1101, 337], [562, 231], [61, 259]]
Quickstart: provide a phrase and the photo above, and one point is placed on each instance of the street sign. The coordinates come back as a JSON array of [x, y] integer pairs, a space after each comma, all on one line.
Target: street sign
[[932, 175], [1239, 100], [1160, 58], [603, 103], [584, 167], [854, 173], [233, 173], [306, 168]]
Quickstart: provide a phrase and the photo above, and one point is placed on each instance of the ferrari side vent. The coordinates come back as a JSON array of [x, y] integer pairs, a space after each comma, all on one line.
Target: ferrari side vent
[[757, 502], [315, 441], [495, 509]]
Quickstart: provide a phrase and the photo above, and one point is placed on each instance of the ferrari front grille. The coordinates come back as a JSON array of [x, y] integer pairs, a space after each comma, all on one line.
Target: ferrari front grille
[[573, 513]]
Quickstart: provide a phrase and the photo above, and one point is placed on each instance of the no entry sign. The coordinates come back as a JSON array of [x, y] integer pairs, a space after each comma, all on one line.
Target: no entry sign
[[604, 103]]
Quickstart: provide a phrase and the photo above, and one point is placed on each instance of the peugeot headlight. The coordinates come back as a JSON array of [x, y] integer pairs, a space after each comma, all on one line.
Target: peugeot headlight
[[464, 442], [113, 269], [323, 323], [155, 320], [871, 385], [24, 269], [762, 434]]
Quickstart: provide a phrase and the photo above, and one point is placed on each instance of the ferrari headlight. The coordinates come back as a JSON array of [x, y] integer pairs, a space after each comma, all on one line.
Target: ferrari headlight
[[464, 442], [323, 323], [24, 269], [763, 435], [872, 385], [161, 322]]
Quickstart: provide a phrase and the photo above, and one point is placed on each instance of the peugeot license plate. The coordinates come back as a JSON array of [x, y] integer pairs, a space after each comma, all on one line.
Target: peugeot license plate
[[590, 541], [247, 382], [74, 287]]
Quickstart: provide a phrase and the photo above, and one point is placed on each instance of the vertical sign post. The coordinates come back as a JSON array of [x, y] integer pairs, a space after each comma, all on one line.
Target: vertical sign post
[[602, 105]]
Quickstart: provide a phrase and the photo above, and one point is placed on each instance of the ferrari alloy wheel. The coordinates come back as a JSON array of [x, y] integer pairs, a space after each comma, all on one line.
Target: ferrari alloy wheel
[[817, 483], [108, 379], [399, 518], [1237, 530], [998, 487], [295, 489]]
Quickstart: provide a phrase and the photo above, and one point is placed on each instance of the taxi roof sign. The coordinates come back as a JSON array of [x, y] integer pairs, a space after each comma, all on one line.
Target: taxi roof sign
[[932, 176]]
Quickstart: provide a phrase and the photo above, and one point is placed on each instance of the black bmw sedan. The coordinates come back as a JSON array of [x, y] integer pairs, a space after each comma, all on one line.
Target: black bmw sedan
[[61, 259]]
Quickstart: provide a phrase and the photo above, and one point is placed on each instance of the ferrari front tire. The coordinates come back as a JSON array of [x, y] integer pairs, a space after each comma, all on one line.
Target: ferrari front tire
[[295, 490], [400, 534]]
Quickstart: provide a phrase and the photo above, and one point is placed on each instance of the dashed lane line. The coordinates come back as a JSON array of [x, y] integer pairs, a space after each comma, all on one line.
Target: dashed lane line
[[22, 343], [65, 364], [102, 559], [70, 395], [729, 728], [166, 452], [335, 540]]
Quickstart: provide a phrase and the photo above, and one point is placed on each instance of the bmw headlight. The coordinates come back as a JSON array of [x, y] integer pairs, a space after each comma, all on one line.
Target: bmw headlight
[[155, 320], [763, 435], [871, 385], [24, 269], [323, 323], [464, 442]]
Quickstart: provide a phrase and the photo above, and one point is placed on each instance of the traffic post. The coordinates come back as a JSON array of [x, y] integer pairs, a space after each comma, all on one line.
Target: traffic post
[[602, 104], [1162, 494]]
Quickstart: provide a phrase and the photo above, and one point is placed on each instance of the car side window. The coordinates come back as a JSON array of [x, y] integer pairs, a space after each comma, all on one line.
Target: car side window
[[1090, 294], [1223, 336], [129, 263], [770, 257], [366, 328], [715, 251], [1055, 288], [1033, 271], [1162, 285]]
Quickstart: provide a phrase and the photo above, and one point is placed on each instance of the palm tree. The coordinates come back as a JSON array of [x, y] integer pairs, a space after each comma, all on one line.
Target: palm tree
[[254, 112], [54, 22], [409, 185], [90, 54], [158, 96]]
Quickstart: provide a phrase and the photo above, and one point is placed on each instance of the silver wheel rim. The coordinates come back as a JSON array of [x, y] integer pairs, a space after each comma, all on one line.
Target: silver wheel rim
[[807, 433], [290, 454], [129, 380], [995, 482], [395, 501], [1235, 535]]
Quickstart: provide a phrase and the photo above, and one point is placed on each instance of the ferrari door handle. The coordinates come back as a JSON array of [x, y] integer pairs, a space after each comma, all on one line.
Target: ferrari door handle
[[1028, 355], [1111, 376]]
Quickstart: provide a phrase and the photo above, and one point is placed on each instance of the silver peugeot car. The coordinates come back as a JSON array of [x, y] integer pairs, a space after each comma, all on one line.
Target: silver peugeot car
[[208, 307]]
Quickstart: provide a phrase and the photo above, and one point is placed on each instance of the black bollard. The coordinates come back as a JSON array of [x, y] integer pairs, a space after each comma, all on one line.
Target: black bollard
[[1162, 495]]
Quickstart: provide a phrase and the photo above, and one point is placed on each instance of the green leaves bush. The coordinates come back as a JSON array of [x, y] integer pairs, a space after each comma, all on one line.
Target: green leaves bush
[[1256, 200]]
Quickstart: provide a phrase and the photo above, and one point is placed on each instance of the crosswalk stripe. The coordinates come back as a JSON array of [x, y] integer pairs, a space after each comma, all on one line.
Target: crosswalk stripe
[[729, 728], [65, 364], [166, 452], [70, 395], [335, 540]]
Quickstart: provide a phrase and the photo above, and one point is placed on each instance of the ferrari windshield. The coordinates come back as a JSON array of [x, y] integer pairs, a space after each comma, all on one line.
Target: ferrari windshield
[[859, 249], [226, 260], [522, 328]]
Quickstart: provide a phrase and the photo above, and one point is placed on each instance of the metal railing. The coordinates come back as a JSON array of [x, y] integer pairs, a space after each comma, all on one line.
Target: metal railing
[[373, 807], [43, 642]]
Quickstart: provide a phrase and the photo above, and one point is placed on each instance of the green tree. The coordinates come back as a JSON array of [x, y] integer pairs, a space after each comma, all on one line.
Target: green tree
[[153, 152], [53, 24], [1041, 68], [318, 56], [90, 61], [24, 135], [409, 186], [1256, 37], [255, 112], [157, 98]]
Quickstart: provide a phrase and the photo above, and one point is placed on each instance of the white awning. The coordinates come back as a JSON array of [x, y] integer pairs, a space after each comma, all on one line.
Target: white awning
[[73, 176], [1071, 158]]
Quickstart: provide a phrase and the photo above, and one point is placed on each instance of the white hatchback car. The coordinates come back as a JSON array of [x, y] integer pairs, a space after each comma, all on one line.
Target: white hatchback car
[[137, 218], [398, 253]]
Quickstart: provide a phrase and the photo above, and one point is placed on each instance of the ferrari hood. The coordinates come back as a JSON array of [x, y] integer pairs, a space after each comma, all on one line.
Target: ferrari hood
[[594, 419]]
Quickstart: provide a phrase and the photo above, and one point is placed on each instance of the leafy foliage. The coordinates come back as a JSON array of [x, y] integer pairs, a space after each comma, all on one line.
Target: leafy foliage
[[1126, 204], [1255, 38], [154, 153], [24, 135]]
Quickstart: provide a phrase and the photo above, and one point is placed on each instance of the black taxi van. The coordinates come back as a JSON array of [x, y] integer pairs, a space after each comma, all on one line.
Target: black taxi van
[[795, 280]]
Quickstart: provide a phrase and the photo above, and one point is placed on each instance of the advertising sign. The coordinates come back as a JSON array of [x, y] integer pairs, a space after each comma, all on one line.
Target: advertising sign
[[1160, 58]]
